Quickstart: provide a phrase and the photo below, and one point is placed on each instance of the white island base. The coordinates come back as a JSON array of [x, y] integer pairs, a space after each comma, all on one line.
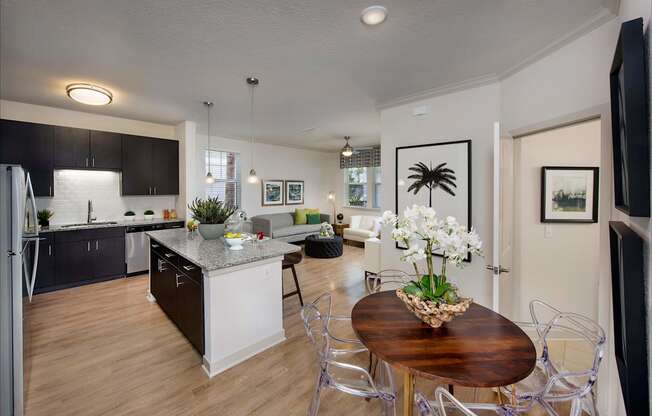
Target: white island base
[[243, 313]]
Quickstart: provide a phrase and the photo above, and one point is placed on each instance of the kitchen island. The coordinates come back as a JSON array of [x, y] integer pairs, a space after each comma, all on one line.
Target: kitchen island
[[227, 303]]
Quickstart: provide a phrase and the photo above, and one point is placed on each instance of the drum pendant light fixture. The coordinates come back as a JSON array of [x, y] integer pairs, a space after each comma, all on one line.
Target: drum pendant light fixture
[[252, 82], [209, 176], [347, 150]]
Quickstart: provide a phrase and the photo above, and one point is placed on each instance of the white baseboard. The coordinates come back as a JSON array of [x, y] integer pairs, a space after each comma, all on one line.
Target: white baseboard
[[215, 368], [150, 298]]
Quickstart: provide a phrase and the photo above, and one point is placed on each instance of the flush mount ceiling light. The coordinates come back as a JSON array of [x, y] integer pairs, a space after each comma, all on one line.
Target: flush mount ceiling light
[[89, 94], [373, 15], [347, 150]]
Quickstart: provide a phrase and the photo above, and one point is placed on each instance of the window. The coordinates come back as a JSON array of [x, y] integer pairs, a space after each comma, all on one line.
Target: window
[[225, 168], [355, 182], [377, 189]]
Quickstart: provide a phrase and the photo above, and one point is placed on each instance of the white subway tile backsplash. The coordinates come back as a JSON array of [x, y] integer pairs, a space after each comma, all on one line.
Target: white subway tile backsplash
[[73, 189]]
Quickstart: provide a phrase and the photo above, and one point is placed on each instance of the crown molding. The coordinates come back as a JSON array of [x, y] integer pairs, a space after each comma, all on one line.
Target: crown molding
[[601, 17], [443, 90]]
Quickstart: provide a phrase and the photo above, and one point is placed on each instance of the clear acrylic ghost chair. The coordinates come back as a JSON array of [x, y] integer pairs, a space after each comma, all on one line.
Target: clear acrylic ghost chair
[[447, 405], [556, 377], [389, 279], [333, 352]]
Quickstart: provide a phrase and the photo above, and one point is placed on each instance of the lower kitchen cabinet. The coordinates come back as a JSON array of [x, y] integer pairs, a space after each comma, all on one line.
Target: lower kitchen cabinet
[[180, 296], [80, 257]]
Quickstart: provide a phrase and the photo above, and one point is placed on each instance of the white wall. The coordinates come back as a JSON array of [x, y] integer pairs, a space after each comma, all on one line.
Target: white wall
[[59, 117], [561, 267], [467, 114], [73, 189], [317, 169]]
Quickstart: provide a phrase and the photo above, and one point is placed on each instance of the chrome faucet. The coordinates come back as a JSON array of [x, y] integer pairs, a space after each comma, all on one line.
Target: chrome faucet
[[90, 217]]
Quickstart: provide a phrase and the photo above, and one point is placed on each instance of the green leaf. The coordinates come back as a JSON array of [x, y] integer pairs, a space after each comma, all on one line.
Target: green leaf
[[425, 281], [413, 290], [443, 288]]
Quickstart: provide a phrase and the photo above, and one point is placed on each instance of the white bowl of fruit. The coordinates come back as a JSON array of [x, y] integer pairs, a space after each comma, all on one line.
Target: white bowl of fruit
[[234, 240]]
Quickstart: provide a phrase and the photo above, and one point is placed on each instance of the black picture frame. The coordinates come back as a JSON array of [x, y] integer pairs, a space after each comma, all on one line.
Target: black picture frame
[[594, 202], [630, 316], [469, 185], [629, 122]]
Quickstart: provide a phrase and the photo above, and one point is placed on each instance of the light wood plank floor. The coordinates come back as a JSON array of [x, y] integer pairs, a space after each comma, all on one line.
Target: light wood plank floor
[[103, 349]]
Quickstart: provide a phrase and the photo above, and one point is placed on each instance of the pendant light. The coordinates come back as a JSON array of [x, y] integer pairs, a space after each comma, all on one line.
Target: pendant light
[[252, 82], [347, 150], [209, 176]]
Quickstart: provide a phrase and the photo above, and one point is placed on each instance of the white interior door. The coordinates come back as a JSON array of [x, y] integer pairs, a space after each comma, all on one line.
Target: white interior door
[[503, 214]]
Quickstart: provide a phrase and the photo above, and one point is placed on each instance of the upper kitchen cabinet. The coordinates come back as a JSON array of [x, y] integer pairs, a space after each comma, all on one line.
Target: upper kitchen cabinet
[[30, 145], [87, 149], [71, 147], [149, 166], [106, 150]]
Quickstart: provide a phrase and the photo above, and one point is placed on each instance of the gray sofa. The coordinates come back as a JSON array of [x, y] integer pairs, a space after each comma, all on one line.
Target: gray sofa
[[281, 226]]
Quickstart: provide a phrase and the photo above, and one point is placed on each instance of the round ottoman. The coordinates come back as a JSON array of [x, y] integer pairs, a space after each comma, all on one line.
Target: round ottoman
[[324, 248]]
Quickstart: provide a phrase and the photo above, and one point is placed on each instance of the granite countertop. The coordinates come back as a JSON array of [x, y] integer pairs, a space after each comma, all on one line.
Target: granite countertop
[[214, 254], [118, 223]]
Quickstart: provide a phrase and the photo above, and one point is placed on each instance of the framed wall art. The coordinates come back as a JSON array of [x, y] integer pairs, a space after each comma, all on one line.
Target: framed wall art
[[294, 192], [272, 192], [437, 175], [569, 194]]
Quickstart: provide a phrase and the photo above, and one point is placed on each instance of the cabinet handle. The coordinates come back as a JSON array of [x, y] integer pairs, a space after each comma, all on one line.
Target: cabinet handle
[[160, 266], [93, 161], [97, 245], [177, 276], [50, 190], [49, 249], [189, 268], [88, 245], [86, 162], [155, 190], [150, 190], [169, 255], [155, 246]]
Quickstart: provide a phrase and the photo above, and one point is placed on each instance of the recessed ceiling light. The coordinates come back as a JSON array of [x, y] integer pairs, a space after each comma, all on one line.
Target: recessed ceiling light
[[89, 94], [374, 15]]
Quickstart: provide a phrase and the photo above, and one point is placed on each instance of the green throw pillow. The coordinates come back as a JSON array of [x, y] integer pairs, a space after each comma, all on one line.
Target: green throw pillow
[[300, 216], [313, 218]]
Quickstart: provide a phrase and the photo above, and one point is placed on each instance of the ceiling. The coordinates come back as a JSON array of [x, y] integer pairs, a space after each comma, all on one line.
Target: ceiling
[[323, 74]]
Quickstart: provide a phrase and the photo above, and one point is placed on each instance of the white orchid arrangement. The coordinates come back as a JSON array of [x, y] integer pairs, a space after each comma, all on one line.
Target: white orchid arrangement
[[422, 232]]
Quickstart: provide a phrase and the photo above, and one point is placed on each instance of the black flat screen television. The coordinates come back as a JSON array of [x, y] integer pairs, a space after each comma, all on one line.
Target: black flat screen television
[[630, 316], [629, 122]]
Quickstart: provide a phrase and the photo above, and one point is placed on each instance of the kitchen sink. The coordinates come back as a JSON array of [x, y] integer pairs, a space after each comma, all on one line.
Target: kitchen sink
[[83, 224]]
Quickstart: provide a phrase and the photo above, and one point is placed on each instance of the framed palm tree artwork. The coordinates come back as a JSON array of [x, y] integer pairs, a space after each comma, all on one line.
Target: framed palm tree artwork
[[437, 175]]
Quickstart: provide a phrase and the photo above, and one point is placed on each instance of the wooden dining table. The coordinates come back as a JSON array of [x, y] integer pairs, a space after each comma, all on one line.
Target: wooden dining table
[[479, 348]]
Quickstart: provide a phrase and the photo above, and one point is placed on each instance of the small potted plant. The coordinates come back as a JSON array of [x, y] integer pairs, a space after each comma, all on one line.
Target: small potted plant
[[211, 213], [431, 297], [130, 216], [149, 214], [43, 217]]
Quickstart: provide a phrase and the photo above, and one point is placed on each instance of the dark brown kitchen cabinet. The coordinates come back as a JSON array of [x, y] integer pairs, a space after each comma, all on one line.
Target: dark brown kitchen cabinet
[[105, 150], [89, 255], [87, 149], [149, 166], [45, 269], [71, 147], [30, 145], [179, 294], [165, 167]]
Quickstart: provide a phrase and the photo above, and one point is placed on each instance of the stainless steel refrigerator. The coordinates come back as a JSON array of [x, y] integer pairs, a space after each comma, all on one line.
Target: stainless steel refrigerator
[[19, 244]]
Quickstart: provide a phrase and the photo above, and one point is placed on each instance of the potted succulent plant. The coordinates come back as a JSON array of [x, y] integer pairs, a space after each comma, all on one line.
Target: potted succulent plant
[[211, 213], [43, 217], [149, 214], [130, 216], [431, 297]]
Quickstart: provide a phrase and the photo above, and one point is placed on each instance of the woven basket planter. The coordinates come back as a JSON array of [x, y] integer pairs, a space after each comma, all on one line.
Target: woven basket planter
[[434, 314]]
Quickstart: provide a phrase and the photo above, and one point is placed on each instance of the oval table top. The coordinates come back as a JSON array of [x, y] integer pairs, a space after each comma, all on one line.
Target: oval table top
[[477, 349]]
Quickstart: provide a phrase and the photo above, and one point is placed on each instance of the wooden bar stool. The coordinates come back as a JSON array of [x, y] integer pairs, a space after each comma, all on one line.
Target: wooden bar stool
[[289, 260]]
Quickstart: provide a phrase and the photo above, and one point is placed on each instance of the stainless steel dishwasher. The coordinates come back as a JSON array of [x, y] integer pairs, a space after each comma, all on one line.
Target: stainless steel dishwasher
[[137, 247]]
